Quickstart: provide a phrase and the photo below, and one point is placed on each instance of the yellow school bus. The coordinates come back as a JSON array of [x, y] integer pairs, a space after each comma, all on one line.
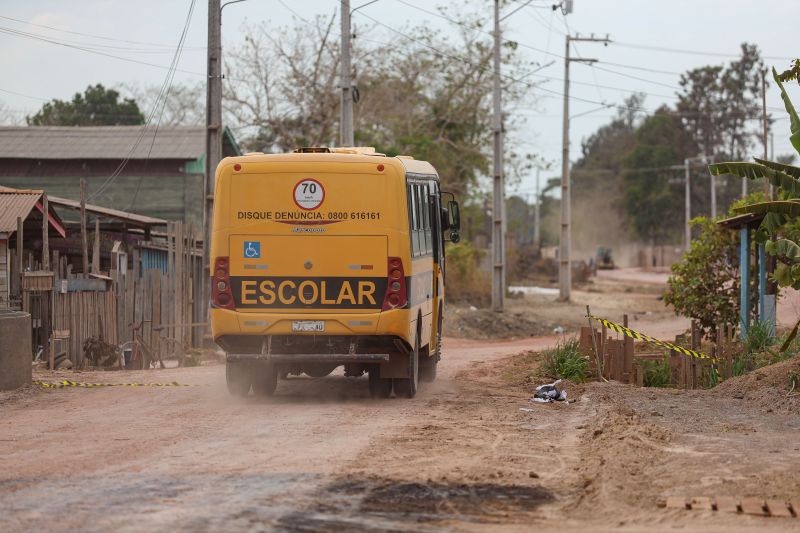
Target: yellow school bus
[[327, 257]]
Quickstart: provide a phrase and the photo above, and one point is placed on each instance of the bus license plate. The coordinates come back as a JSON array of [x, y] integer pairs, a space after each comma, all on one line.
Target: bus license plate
[[308, 325]]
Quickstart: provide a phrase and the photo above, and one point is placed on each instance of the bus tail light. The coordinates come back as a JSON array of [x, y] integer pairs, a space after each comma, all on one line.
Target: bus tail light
[[396, 295], [222, 296]]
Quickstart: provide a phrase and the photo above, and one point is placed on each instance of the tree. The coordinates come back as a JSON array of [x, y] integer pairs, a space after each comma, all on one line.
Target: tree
[[705, 284], [97, 106], [183, 105], [717, 103], [429, 98], [604, 152], [653, 200]]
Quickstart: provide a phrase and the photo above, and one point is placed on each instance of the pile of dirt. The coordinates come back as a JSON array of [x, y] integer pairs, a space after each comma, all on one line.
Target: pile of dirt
[[472, 323], [770, 387]]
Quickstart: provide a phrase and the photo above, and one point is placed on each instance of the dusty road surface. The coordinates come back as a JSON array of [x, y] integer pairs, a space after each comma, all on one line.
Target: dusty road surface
[[470, 453]]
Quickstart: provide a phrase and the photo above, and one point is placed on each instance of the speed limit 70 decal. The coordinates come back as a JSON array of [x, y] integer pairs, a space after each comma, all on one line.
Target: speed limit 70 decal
[[309, 194]]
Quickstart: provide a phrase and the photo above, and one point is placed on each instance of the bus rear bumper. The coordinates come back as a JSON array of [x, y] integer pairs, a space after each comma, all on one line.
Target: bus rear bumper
[[300, 358]]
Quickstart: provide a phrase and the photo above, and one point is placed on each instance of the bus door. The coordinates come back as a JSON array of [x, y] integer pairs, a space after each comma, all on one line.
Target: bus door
[[435, 207]]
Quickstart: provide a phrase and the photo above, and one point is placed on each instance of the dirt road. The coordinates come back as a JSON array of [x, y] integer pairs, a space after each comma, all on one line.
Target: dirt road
[[470, 453], [193, 458]]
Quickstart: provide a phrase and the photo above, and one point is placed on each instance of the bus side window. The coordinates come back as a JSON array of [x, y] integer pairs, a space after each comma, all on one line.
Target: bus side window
[[413, 208], [426, 217], [420, 222]]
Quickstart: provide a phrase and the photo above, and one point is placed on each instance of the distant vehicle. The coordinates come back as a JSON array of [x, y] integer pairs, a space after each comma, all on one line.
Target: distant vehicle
[[327, 257], [604, 259]]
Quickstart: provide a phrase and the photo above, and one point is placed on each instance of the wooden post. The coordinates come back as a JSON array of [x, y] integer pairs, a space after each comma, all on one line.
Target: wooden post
[[170, 320], [179, 292], [45, 235], [627, 367], [20, 253], [96, 247], [84, 240]]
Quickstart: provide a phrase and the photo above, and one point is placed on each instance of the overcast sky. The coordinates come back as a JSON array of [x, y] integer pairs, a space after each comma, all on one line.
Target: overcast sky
[[709, 31]]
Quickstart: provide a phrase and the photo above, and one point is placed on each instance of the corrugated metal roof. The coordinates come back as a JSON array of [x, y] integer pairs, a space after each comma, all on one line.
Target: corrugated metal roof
[[13, 205], [101, 142], [132, 218]]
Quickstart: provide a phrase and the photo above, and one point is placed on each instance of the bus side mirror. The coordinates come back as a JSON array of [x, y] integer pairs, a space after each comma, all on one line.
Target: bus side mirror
[[445, 216], [455, 221]]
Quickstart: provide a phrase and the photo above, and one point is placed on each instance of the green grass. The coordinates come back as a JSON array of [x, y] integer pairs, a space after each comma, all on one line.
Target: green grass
[[566, 362], [657, 373], [759, 337]]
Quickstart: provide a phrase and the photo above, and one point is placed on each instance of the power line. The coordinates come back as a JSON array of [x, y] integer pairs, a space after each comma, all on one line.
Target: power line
[[690, 52], [105, 38], [17, 33], [165, 86]]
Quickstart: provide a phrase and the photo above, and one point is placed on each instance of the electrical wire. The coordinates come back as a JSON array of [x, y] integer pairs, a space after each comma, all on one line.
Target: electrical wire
[[17, 33], [102, 37], [162, 93], [653, 48]]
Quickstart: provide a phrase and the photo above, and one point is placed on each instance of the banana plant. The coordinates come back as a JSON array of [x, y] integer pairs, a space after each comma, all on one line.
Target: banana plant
[[778, 213]]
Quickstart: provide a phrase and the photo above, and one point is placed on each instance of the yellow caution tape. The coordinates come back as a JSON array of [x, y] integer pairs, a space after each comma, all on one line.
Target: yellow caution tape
[[613, 326], [67, 383]]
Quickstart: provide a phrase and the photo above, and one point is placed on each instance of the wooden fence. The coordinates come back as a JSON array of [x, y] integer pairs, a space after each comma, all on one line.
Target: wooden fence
[[85, 314], [154, 308], [624, 360]]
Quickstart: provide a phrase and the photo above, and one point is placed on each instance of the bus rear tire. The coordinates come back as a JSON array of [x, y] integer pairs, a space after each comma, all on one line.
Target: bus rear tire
[[407, 387], [429, 364], [265, 380], [237, 377], [379, 387]]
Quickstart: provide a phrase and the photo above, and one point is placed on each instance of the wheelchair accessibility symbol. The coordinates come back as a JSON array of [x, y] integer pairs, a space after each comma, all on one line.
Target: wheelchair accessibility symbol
[[252, 249]]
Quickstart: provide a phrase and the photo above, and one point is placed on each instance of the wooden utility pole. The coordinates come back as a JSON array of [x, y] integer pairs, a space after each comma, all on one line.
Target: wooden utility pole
[[213, 137], [45, 235], [84, 239], [565, 243], [498, 191], [347, 136], [96, 247], [20, 253]]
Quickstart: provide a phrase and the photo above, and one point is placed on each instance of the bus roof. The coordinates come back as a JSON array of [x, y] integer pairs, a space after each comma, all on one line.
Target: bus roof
[[350, 154]]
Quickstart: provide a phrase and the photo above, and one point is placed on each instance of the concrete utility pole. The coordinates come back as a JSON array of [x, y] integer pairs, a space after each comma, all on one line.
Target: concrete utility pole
[[687, 239], [536, 229], [767, 188], [565, 243], [498, 192], [346, 135], [213, 137]]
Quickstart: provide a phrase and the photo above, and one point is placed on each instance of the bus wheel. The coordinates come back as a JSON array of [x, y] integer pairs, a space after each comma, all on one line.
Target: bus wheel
[[265, 380], [429, 364], [237, 377], [379, 387], [407, 387]]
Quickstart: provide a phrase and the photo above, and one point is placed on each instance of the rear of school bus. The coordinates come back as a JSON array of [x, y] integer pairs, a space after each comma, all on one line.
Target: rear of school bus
[[311, 266]]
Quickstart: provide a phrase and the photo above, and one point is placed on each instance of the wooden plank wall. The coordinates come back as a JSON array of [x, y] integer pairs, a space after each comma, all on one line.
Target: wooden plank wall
[[153, 307], [85, 314]]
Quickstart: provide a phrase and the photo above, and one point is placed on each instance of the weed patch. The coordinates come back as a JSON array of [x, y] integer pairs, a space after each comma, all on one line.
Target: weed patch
[[565, 361]]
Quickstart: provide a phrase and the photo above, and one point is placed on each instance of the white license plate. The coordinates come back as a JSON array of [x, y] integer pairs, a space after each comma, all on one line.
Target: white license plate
[[308, 325]]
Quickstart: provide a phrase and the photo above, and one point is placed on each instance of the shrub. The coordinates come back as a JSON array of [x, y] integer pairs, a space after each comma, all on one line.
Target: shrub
[[466, 282], [705, 284], [657, 373], [566, 361]]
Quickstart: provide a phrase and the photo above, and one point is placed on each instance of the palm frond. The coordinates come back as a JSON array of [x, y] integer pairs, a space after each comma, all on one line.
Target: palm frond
[[746, 169]]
